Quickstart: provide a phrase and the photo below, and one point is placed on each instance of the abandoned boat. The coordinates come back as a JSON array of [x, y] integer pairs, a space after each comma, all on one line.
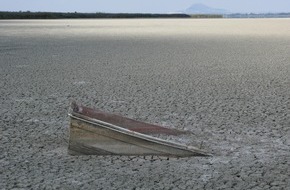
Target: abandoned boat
[[94, 132]]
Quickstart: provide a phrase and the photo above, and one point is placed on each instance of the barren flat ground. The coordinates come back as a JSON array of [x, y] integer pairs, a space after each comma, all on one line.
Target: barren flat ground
[[227, 81]]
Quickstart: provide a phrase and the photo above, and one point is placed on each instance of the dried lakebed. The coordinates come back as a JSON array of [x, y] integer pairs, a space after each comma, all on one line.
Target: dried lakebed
[[225, 81]]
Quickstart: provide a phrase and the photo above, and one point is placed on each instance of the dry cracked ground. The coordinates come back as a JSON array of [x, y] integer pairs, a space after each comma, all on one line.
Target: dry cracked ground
[[226, 81]]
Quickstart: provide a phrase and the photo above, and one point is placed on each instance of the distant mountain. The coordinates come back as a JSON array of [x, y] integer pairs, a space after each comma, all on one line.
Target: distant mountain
[[203, 9]]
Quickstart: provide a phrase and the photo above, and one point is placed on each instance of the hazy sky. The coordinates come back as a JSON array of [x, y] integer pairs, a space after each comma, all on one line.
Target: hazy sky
[[153, 6]]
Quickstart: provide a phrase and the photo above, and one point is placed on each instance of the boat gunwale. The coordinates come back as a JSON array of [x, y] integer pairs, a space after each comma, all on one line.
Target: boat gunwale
[[135, 134], [124, 122]]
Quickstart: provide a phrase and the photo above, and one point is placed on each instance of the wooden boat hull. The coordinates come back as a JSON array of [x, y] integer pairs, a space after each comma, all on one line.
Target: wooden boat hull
[[92, 136]]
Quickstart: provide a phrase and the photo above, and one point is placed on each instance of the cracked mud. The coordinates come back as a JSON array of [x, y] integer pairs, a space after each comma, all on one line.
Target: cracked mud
[[225, 81]]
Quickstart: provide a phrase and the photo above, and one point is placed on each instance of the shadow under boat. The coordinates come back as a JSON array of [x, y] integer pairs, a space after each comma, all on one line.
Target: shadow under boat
[[93, 132]]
